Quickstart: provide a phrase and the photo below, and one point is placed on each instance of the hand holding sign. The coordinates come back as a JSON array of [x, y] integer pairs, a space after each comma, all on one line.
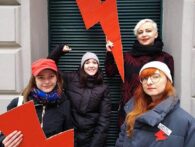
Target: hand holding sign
[[24, 118]]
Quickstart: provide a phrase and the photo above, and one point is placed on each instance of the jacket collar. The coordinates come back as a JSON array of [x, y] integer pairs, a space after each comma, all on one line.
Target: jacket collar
[[157, 114]]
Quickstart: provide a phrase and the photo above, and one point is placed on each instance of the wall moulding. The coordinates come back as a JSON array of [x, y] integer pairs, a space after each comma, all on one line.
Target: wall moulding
[[9, 2], [10, 25]]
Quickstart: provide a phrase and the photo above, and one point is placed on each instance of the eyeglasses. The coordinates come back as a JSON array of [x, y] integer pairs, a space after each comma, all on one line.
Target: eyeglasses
[[155, 78]]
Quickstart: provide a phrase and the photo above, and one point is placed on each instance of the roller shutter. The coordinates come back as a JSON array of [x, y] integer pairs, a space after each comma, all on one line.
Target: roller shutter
[[66, 26]]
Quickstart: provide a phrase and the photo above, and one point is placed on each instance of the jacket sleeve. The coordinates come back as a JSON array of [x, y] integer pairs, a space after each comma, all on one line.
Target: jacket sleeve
[[101, 129], [12, 104], [110, 65], [190, 136], [122, 134], [56, 53], [68, 118], [1, 139]]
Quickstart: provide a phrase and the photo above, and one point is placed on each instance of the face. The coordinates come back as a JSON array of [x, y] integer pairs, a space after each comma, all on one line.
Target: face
[[155, 84], [46, 80], [91, 67], [146, 34]]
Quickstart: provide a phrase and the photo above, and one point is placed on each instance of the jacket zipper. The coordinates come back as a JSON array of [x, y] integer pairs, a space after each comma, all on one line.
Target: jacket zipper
[[43, 113]]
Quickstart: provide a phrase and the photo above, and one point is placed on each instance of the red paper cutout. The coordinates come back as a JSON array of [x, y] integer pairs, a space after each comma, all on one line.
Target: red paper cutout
[[94, 11], [160, 135], [24, 118]]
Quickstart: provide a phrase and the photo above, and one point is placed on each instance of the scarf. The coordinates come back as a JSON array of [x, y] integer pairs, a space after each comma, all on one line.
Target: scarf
[[40, 97], [141, 50]]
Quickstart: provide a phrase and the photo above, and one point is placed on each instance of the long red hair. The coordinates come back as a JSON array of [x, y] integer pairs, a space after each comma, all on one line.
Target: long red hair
[[143, 102]]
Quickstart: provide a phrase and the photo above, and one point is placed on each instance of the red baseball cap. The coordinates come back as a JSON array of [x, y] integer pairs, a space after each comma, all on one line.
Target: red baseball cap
[[42, 64]]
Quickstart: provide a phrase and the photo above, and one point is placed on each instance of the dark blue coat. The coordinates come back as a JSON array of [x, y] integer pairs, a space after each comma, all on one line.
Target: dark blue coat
[[168, 113], [57, 117]]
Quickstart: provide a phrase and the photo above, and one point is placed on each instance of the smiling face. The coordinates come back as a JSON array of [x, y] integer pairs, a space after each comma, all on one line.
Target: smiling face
[[154, 85], [91, 67], [46, 80], [146, 34]]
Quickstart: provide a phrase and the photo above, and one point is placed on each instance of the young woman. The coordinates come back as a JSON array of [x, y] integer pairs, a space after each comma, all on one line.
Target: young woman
[[148, 47], [90, 99], [154, 117], [45, 88]]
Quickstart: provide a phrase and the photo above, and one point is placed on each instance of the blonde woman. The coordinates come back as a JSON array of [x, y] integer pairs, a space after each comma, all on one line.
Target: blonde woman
[[147, 47]]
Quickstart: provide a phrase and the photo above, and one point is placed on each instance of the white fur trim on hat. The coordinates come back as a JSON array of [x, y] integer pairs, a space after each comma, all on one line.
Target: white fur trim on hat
[[87, 56], [158, 65]]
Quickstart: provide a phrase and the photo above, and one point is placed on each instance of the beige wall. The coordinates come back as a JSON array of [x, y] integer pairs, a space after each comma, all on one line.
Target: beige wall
[[178, 26], [193, 61], [23, 38]]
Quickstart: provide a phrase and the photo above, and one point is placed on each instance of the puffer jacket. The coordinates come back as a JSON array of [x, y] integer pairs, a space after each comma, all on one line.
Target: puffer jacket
[[57, 117], [90, 111], [166, 125], [91, 107]]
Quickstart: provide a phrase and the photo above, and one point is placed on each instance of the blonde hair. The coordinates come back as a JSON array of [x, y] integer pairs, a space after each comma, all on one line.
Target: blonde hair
[[143, 102], [143, 21]]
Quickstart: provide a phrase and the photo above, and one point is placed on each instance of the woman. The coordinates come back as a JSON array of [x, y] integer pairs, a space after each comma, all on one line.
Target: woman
[[154, 117], [45, 88], [148, 47], [90, 99]]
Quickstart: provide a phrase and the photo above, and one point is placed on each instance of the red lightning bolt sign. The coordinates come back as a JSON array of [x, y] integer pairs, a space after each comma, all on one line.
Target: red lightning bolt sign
[[94, 11], [24, 118]]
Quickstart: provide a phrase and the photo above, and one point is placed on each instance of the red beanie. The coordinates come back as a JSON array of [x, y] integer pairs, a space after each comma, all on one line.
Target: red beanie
[[42, 64]]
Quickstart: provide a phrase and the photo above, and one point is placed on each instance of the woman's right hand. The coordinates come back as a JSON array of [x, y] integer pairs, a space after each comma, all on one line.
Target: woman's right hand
[[66, 48], [13, 139], [109, 46]]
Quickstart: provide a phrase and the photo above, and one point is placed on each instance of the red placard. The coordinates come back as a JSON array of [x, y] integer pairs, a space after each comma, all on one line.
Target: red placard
[[24, 118], [94, 11]]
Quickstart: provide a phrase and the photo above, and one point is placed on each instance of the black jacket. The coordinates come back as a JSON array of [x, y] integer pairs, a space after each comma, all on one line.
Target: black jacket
[[1, 139], [57, 118], [90, 111], [91, 107]]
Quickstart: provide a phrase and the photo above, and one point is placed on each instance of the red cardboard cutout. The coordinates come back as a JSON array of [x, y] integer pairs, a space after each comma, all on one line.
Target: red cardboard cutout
[[24, 118], [94, 11]]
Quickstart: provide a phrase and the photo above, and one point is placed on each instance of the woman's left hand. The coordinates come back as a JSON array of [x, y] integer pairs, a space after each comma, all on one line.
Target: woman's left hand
[[66, 48], [13, 139]]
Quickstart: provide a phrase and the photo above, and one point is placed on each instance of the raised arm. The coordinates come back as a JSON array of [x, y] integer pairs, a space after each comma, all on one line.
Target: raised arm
[[58, 52], [110, 65]]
